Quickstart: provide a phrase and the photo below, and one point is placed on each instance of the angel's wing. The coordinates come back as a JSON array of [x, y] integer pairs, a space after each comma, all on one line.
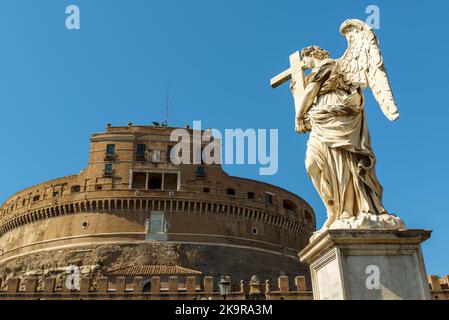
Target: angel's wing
[[362, 65]]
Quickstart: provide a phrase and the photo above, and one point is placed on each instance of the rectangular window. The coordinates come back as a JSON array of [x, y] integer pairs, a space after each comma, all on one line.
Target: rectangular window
[[110, 149], [140, 152], [170, 181], [269, 197], [155, 181], [200, 172], [169, 149], [108, 169], [75, 189], [110, 152], [139, 180]]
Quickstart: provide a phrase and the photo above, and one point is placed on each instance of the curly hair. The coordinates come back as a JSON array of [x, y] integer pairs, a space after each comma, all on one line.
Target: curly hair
[[315, 52]]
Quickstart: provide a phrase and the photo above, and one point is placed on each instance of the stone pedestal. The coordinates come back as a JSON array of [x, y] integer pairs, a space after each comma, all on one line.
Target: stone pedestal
[[368, 265]]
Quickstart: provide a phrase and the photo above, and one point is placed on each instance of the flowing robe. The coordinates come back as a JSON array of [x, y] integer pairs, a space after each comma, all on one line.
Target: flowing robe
[[339, 146]]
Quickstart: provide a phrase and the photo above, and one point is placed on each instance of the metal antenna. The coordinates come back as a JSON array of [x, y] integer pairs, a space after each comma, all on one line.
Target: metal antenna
[[167, 105]]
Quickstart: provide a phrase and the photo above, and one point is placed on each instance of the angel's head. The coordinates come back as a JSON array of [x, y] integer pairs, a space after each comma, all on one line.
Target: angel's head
[[312, 55]]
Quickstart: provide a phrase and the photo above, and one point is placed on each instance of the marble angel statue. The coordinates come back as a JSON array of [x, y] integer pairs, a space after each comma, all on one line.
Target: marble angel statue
[[330, 104]]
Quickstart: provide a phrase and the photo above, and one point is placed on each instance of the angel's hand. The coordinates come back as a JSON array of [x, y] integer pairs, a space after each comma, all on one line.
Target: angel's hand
[[292, 86], [300, 127]]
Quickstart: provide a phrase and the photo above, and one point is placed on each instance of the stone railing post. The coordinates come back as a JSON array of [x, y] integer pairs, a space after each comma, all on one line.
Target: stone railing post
[[173, 284], [283, 284], [191, 284], [300, 282], [102, 284], [85, 285], [120, 284], [254, 286], [155, 284], [267, 286], [434, 282], [242, 286], [13, 285], [208, 284], [31, 285], [49, 285], [138, 284], [446, 279]]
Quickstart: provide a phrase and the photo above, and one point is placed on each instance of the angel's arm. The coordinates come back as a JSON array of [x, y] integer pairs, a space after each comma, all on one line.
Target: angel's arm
[[306, 99], [313, 88]]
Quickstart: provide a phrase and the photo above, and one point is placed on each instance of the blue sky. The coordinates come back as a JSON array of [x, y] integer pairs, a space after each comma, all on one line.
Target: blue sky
[[59, 86]]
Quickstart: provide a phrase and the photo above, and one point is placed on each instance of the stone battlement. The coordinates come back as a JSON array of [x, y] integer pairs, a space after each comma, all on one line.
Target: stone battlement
[[176, 288], [439, 287], [132, 197]]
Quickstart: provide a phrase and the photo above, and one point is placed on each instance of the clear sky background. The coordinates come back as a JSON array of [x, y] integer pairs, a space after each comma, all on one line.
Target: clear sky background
[[59, 86]]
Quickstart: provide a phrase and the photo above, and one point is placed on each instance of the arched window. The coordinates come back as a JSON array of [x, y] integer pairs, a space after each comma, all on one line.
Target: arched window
[[230, 192]]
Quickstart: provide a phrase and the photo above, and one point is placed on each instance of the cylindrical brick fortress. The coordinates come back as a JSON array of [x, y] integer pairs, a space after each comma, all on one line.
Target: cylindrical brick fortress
[[132, 206]]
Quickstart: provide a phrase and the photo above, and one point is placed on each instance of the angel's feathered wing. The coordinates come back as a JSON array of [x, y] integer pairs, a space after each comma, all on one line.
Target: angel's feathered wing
[[362, 65]]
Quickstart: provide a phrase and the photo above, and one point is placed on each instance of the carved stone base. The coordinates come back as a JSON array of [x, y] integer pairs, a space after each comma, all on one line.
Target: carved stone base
[[356, 264], [365, 221], [370, 221]]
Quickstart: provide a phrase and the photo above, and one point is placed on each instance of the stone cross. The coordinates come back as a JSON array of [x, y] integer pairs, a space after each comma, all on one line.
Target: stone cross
[[294, 73]]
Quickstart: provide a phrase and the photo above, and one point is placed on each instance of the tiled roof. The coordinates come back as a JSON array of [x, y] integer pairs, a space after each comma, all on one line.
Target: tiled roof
[[153, 271]]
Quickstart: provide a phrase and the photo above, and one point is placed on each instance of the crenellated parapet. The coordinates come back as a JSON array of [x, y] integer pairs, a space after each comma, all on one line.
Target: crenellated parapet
[[173, 288], [439, 287], [132, 195], [137, 288]]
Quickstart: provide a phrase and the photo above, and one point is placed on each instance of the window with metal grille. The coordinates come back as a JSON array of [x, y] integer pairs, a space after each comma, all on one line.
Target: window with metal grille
[[110, 149], [108, 169], [200, 172], [140, 152]]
